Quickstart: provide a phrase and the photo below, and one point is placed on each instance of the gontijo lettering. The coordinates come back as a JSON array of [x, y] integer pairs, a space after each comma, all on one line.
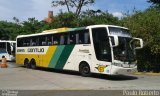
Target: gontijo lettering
[[35, 50]]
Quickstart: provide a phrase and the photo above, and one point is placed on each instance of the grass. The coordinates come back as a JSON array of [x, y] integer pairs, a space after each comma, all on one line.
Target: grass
[[147, 73]]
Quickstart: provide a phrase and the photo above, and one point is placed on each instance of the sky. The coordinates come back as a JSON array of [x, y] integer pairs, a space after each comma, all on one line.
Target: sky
[[24, 9]]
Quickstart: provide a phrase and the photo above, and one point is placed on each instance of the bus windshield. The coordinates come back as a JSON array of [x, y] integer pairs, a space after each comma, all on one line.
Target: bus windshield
[[2, 50], [3, 47], [125, 50]]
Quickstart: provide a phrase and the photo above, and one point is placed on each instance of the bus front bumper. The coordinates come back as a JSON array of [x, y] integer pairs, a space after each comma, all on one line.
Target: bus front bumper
[[115, 70]]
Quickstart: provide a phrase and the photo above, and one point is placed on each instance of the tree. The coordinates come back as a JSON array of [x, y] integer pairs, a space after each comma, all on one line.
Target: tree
[[9, 30], [155, 3], [145, 25], [32, 26], [91, 17], [16, 20], [74, 4]]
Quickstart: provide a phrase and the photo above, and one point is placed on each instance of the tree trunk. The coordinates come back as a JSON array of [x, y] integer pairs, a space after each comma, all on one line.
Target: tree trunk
[[67, 6]]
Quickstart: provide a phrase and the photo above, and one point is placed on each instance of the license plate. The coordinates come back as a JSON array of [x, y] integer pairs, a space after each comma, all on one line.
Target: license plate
[[129, 70]]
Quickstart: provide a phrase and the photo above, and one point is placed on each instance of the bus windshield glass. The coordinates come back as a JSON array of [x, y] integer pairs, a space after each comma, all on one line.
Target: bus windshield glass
[[119, 31], [3, 47], [125, 50]]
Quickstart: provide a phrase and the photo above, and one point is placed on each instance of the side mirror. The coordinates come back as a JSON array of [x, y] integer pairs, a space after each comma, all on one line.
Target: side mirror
[[114, 40], [138, 43]]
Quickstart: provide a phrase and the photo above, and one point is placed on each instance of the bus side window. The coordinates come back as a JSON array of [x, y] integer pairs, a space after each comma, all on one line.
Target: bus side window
[[77, 38], [81, 38], [33, 41], [86, 38], [19, 42], [64, 39], [72, 38], [56, 39], [26, 42], [42, 41], [49, 40]]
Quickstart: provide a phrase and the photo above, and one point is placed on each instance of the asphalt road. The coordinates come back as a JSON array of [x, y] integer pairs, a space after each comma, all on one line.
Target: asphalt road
[[20, 78], [19, 81]]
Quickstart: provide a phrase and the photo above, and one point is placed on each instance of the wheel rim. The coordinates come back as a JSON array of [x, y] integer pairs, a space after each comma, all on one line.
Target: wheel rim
[[33, 65], [85, 69]]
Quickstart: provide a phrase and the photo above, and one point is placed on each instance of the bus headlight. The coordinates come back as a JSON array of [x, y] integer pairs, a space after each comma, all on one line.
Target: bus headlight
[[117, 64]]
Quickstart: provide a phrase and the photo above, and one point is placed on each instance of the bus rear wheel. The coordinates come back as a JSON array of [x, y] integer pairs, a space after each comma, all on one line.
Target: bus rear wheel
[[33, 64], [84, 69]]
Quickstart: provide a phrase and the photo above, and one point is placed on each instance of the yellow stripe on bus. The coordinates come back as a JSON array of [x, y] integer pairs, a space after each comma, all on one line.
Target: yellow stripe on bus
[[48, 56]]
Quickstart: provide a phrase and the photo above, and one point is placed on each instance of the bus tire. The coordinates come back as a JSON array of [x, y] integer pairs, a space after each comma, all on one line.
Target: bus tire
[[26, 63], [84, 69], [33, 64]]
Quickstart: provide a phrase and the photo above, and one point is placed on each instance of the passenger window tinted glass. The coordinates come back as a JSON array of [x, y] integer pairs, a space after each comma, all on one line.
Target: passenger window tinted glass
[[26, 42], [56, 39], [72, 38], [86, 38], [49, 40], [83, 37], [42, 41], [19, 42], [33, 41], [64, 39], [2, 47]]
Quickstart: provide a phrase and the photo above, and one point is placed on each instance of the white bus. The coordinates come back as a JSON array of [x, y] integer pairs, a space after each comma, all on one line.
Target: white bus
[[7, 49], [104, 49]]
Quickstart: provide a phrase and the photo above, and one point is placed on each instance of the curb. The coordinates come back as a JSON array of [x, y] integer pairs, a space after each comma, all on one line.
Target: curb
[[147, 73]]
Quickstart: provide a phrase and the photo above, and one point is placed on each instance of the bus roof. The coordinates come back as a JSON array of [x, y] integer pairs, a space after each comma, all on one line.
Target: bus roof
[[94, 26], [59, 30], [65, 29], [10, 41]]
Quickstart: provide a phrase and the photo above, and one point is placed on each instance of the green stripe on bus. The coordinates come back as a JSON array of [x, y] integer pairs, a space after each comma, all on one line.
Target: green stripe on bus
[[64, 56], [56, 56]]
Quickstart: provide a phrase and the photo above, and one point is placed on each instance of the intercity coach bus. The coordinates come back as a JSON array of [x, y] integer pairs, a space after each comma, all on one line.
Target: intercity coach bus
[[7, 49], [104, 49]]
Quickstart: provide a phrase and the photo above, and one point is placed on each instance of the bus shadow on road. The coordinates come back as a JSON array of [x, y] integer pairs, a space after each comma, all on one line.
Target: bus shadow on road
[[97, 76], [115, 77]]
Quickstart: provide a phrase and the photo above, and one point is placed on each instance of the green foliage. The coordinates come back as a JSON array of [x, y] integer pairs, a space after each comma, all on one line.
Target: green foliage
[[91, 17], [85, 19], [9, 30], [32, 26], [145, 25], [66, 20], [155, 3]]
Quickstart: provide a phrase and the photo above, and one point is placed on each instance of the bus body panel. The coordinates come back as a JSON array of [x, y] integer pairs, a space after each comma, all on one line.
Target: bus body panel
[[7, 49], [69, 57]]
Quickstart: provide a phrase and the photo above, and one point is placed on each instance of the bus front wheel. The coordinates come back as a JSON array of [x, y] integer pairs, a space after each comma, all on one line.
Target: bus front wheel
[[84, 69]]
